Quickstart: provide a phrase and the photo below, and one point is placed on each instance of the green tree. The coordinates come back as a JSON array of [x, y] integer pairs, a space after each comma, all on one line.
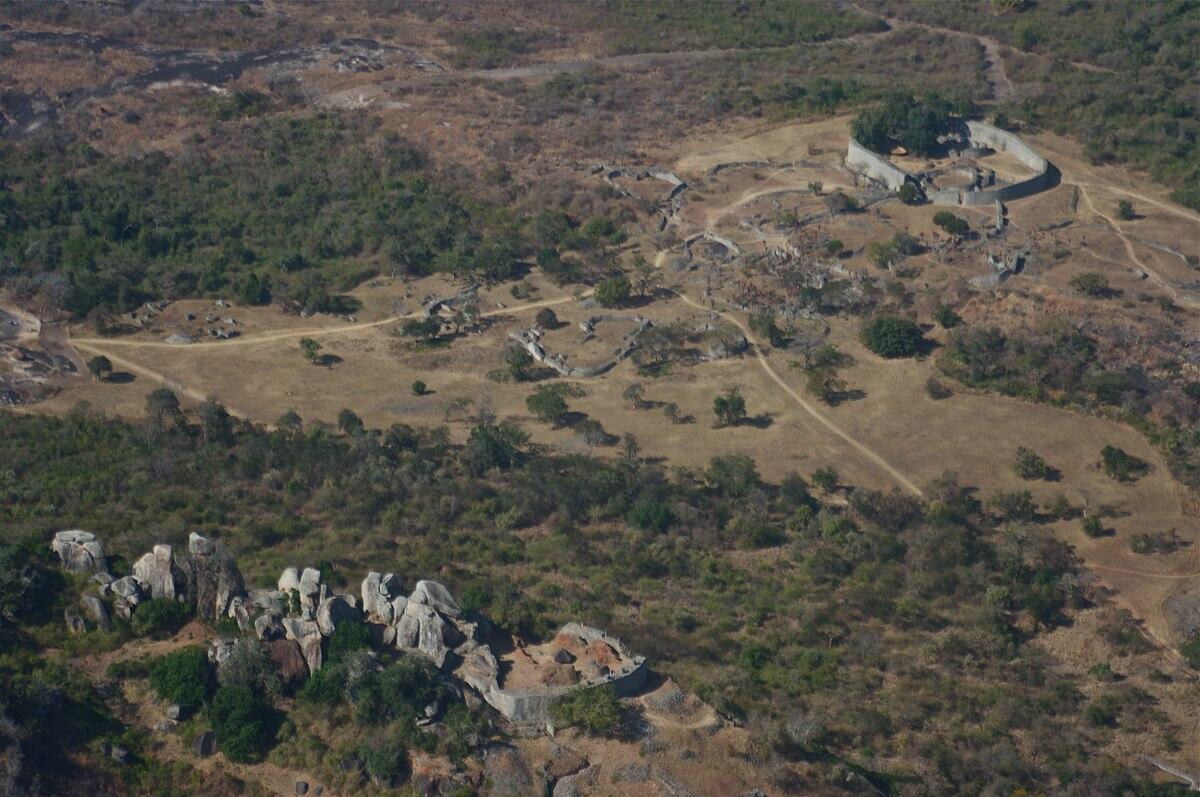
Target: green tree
[[241, 718], [419, 388], [729, 407], [653, 516], [892, 337], [1122, 466], [518, 361], [350, 424], [546, 318], [613, 291], [1091, 283], [310, 348], [1029, 465], [100, 367], [825, 479], [182, 677], [908, 193], [1125, 210], [547, 404], [158, 617], [946, 317]]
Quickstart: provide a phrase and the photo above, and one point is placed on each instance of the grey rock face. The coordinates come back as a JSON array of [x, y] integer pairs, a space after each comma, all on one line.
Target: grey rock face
[[156, 571], [216, 580], [205, 744], [431, 593], [308, 634], [96, 611], [79, 551], [289, 579], [333, 612], [421, 628], [378, 593], [267, 626], [75, 623]]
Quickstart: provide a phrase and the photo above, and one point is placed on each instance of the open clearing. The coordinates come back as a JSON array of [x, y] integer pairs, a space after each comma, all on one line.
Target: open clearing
[[894, 436]]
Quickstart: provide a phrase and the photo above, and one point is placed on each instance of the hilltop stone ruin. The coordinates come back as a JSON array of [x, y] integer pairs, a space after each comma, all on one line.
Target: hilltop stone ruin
[[969, 139], [520, 681]]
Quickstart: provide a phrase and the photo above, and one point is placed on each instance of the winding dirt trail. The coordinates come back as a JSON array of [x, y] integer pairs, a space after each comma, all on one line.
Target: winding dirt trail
[[1154, 275]]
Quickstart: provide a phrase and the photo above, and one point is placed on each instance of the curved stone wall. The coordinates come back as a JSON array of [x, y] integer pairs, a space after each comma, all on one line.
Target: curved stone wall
[[879, 168]]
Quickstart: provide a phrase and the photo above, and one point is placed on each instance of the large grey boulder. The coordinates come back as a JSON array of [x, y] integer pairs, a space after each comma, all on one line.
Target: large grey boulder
[[79, 551], [96, 611], [239, 612], [75, 623], [431, 593], [267, 626], [289, 579], [335, 611], [308, 634], [378, 592], [423, 629], [221, 648], [156, 571], [215, 578], [127, 594]]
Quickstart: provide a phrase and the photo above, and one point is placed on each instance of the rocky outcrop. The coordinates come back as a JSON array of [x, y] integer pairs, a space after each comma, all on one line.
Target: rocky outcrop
[[156, 571], [378, 593], [214, 577], [334, 611], [307, 634], [127, 594], [289, 662], [79, 551], [96, 611]]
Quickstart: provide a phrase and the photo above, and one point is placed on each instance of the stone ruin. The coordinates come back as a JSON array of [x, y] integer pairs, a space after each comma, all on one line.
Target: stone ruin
[[967, 140], [530, 339], [293, 619]]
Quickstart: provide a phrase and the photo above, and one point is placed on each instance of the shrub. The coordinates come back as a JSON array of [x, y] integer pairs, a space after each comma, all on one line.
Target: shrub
[[834, 247], [936, 390], [1092, 526], [546, 318], [547, 404], [1191, 650], [183, 677], [419, 388], [892, 337], [241, 718], [249, 666], [1104, 711], [1125, 210], [1029, 465], [946, 317], [398, 692], [1014, 505], [613, 291], [159, 617], [1091, 283], [594, 710], [908, 194], [346, 639], [825, 479], [385, 759], [654, 516], [729, 407], [1122, 466]]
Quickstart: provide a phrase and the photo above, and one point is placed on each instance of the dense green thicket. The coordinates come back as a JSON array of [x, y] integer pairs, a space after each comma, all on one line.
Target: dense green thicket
[[914, 613], [299, 206], [1140, 107], [900, 119]]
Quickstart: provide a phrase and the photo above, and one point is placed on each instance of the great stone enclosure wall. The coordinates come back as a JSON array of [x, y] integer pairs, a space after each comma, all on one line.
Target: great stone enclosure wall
[[293, 619], [877, 167]]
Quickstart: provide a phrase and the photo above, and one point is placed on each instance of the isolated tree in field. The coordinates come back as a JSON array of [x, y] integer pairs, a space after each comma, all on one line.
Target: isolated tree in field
[[100, 367], [546, 318], [613, 291], [1125, 210], [419, 388], [834, 247], [1029, 465], [422, 328], [951, 223], [763, 324], [825, 384], [908, 194], [946, 317], [310, 348], [635, 394], [1091, 283], [892, 337], [1122, 466], [816, 187], [729, 407], [547, 404], [518, 362], [162, 403]]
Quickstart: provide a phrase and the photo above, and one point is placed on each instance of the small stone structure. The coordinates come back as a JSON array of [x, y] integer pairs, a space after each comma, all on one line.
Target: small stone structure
[[530, 339], [983, 190], [522, 685], [294, 619]]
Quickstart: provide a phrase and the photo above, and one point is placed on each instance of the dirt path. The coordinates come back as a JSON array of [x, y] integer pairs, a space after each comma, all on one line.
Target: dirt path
[[1154, 275]]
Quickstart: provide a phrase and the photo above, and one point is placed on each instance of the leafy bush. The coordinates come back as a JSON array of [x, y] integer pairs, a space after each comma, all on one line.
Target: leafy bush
[[653, 516], [594, 710], [1191, 650], [730, 407], [1029, 465], [1122, 466], [1092, 525], [946, 317], [183, 677], [159, 617], [892, 337], [613, 291], [347, 638], [1091, 283], [901, 119], [547, 404], [242, 720]]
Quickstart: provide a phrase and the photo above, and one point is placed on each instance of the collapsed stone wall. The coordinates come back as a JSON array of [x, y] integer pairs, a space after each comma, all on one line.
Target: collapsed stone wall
[[530, 339], [295, 617]]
